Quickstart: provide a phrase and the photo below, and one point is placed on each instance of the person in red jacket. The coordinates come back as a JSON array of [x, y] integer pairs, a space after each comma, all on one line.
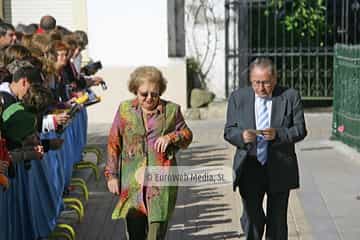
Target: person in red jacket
[[47, 23]]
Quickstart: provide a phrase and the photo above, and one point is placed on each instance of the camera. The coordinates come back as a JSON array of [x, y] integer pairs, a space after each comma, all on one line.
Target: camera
[[91, 68], [103, 85], [74, 109]]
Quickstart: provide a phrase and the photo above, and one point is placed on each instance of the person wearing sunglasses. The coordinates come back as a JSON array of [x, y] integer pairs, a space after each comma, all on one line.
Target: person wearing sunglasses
[[147, 132]]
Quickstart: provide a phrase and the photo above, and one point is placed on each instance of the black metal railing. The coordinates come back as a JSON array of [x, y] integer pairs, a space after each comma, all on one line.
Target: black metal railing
[[304, 59]]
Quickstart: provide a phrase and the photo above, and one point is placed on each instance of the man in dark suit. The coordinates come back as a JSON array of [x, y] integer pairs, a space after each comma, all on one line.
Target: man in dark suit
[[264, 122]]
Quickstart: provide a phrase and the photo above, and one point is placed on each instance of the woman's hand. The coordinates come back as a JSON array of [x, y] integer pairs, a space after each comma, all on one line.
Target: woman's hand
[[162, 143], [61, 118], [113, 185], [96, 80], [3, 166], [39, 152], [70, 101]]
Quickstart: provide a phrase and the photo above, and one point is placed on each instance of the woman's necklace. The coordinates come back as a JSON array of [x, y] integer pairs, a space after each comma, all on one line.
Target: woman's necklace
[[145, 115]]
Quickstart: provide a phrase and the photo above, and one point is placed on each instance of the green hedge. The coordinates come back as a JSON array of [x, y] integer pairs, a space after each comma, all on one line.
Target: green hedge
[[346, 99]]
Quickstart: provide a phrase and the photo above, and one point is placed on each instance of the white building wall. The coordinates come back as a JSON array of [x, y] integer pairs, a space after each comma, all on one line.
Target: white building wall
[[122, 34], [29, 11], [127, 34], [209, 40]]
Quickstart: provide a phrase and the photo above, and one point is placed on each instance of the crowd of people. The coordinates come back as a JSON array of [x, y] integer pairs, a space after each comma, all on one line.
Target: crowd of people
[[41, 77], [41, 71]]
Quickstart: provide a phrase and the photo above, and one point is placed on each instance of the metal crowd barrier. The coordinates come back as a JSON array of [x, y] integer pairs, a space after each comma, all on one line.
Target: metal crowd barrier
[[29, 209]]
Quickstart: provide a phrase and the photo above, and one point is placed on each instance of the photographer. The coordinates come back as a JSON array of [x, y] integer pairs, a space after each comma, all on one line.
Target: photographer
[[75, 78]]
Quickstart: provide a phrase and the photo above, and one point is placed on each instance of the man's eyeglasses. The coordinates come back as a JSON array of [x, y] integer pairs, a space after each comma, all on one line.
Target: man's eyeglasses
[[260, 82], [152, 94]]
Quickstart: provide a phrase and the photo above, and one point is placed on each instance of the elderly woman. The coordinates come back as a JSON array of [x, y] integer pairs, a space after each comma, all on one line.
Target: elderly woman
[[146, 132]]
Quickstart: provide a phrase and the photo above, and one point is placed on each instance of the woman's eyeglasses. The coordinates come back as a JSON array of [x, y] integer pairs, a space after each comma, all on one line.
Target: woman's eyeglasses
[[152, 94]]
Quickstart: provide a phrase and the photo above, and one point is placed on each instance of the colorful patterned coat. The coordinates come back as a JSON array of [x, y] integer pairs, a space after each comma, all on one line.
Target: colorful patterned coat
[[131, 150]]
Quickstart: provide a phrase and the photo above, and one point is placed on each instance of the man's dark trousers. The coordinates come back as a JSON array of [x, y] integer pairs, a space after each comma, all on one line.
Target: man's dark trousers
[[253, 186], [280, 173]]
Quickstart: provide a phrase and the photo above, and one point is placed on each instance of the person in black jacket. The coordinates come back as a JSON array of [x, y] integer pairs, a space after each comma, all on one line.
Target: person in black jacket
[[264, 122]]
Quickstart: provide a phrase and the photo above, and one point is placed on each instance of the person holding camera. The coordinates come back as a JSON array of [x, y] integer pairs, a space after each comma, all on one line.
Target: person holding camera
[[73, 75], [147, 132], [20, 124]]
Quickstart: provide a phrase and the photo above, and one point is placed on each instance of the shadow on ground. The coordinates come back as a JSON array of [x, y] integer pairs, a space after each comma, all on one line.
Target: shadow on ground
[[202, 212]]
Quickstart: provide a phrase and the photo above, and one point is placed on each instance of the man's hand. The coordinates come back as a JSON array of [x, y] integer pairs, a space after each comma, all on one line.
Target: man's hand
[[162, 143], [113, 185], [249, 136], [269, 133]]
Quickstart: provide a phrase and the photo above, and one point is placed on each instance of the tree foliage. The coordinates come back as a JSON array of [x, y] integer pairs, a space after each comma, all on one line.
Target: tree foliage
[[304, 16]]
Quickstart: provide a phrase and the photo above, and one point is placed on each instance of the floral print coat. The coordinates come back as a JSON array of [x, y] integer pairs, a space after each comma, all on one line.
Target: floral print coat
[[131, 150]]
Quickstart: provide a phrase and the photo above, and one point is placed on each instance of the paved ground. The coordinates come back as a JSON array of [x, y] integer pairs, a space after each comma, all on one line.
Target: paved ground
[[324, 208]]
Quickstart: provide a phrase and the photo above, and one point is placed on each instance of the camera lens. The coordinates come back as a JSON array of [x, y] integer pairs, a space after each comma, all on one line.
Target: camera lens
[[103, 86]]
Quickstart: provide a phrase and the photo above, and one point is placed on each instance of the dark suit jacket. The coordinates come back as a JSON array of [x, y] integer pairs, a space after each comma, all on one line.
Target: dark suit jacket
[[287, 116]]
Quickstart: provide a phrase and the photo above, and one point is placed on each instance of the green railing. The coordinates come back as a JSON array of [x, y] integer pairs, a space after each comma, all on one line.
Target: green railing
[[346, 100]]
